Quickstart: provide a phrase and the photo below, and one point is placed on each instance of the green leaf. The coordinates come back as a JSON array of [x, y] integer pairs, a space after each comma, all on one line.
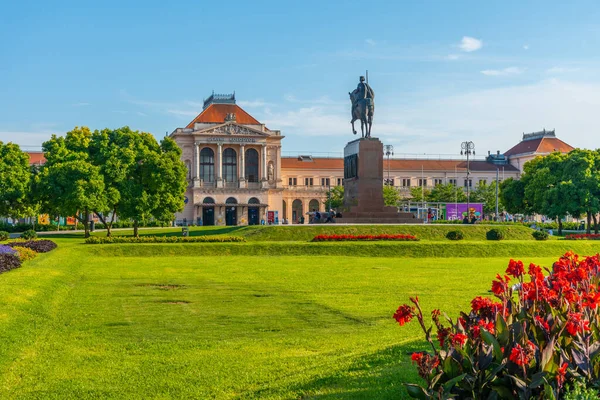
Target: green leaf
[[538, 379], [450, 384], [416, 391], [549, 392], [451, 367], [501, 330], [491, 340], [547, 353]]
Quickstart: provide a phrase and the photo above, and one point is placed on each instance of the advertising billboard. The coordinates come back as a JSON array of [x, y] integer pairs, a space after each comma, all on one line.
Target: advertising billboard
[[457, 211]]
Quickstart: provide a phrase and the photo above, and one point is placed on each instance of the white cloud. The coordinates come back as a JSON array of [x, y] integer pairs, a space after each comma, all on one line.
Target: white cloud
[[27, 140], [562, 70], [141, 114], [470, 44], [254, 103], [452, 57], [503, 72], [525, 47], [370, 42], [81, 104]]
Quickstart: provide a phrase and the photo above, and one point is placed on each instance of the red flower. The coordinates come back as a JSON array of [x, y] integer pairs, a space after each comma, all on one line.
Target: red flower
[[404, 314], [416, 357], [543, 323], [560, 376], [515, 268], [458, 339], [576, 325], [522, 356], [442, 335], [500, 285]]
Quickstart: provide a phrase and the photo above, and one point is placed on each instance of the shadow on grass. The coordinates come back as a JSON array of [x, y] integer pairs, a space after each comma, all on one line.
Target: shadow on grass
[[209, 231], [374, 376]]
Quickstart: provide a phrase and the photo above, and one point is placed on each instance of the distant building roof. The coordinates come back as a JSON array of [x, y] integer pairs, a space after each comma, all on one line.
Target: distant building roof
[[542, 142], [404, 164], [36, 158], [217, 113]]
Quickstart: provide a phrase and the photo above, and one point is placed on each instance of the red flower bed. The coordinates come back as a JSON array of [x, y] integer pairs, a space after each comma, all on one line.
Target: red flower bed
[[583, 236], [339, 238], [541, 333]]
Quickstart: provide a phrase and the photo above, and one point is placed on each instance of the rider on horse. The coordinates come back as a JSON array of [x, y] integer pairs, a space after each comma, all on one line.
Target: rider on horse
[[363, 106]]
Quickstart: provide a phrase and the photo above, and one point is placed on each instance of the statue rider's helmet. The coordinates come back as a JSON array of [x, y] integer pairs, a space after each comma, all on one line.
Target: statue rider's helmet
[[362, 78]]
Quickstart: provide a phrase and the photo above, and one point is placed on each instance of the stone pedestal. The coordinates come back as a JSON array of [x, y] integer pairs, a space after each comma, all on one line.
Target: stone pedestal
[[363, 186]]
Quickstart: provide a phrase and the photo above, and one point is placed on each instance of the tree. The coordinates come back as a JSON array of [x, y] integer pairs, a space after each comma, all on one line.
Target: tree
[[68, 183], [418, 194], [15, 177], [391, 196], [447, 193], [335, 197], [512, 196], [486, 194]]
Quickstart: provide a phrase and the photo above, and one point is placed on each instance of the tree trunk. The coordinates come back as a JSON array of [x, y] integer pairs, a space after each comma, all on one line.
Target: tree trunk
[[86, 223], [589, 222], [559, 227], [135, 228], [112, 220], [595, 223]]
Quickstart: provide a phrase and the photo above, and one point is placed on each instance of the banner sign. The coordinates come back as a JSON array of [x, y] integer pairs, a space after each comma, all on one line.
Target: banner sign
[[43, 219], [458, 211], [71, 221]]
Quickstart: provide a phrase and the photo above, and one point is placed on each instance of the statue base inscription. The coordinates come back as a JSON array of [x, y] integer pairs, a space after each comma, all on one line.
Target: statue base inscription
[[363, 183]]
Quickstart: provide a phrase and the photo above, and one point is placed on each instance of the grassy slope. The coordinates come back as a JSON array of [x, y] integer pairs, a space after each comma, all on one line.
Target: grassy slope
[[307, 232], [76, 324]]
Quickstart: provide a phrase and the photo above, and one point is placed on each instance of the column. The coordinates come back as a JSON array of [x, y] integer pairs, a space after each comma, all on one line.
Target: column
[[196, 165], [243, 163], [263, 172], [220, 165]]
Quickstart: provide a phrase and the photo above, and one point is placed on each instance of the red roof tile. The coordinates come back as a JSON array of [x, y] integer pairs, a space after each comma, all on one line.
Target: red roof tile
[[401, 165], [36, 158], [216, 113], [541, 146]]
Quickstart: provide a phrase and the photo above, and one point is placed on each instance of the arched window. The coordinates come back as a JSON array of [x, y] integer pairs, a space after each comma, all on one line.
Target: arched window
[[231, 200], [252, 165], [207, 165], [208, 200], [229, 165], [313, 205], [253, 200]]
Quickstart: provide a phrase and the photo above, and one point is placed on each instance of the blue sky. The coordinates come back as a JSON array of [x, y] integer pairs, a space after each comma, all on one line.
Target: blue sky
[[443, 72]]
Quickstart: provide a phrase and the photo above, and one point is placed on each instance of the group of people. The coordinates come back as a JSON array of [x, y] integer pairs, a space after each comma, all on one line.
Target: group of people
[[317, 216]]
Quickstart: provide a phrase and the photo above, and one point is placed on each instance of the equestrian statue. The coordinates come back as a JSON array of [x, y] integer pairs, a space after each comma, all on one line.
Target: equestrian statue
[[363, 107]]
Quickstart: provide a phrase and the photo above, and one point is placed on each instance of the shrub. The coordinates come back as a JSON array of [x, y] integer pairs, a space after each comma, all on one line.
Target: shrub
[[579, 391], [540, 335], [329, 238], [25, 253], [163, 239], [39, 246], [4, 236], [494, 234], [455, 235], [540, 235], [29, 235], [8, 262]]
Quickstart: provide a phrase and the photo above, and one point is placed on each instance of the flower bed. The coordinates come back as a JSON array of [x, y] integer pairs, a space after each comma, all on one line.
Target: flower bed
[[330, 238], [9, 261], [163, 239], [583, 236], [540, 335], [39, 246]]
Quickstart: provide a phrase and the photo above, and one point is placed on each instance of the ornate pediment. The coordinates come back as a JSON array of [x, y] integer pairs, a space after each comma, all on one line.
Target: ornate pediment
[[231, 128]]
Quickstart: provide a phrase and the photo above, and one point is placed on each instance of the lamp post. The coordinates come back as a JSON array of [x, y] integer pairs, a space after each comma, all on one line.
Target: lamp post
[[467, 148], [388, 150]]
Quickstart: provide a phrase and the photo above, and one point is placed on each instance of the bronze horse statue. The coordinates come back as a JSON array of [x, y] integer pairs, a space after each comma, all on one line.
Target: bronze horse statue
[[363, 110]]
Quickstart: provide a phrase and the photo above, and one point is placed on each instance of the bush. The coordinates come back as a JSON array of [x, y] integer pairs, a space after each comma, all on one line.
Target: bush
[[39, 246], [540, 235], [4, 236], [163, 239], [494, 234], [25, 253], [338, 238], [526, 345], [8, 262], [455, 235], [579, 391], [29, 234]]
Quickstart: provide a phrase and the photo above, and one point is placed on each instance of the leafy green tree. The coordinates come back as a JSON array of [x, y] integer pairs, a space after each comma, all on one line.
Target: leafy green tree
[[68, 183], [418, 194], [486, 194], [391, 196], [335, 197], [447, 193], [15, 177], [512, 196]]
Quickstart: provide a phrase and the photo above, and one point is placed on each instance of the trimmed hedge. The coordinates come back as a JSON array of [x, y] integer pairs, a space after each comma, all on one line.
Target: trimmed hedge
[[163, 239], [338, 238], [29, 234], [39, 246], [494, 234], [4, 236], [455, 235], [8, 262], [540, 235]]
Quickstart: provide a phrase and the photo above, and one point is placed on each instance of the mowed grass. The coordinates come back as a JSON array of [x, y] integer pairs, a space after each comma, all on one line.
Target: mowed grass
[[83, 323]]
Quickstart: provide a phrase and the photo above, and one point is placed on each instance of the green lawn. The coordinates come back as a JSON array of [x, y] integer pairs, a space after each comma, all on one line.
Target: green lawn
[[84, 322]]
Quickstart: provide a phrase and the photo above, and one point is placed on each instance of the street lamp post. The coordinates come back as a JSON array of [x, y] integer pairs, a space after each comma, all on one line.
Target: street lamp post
[[388, 150], [467, 148]]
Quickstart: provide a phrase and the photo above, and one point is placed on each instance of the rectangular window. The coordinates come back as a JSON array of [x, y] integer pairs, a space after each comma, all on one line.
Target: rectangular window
[[406, 182], [308, 181], [292, 181], [422, 182], [452, 181], [483, 182], [438, 181], [325, 181], [388, 182], [469, 182], [340, 182]]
